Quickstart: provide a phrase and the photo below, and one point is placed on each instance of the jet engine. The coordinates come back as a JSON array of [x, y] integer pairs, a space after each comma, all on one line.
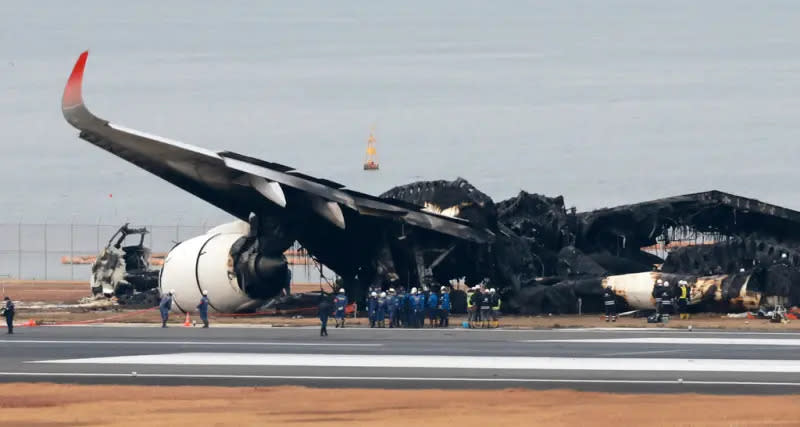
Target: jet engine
[[225, 262]]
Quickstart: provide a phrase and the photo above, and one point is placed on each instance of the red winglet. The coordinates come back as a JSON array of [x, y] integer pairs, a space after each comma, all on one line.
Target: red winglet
[[72, 92]]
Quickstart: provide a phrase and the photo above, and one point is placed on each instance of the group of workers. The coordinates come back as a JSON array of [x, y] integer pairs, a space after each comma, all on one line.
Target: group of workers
[[483, 307], [401, 309], [409, 309], [166, 305], [667, 299]]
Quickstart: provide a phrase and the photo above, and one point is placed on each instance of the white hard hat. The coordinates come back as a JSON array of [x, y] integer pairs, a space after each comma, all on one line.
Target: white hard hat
[[493, 290], [666, 283], [383, 294], [443, 288], [205, 292], [413, 290], [171, 291], [341, 290], [391, 290], [783, 255], [374, 294], [741, 270], [659, 281]]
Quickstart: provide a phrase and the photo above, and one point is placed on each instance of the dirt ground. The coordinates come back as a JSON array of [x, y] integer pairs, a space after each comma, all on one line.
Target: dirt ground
[[69, 292], [58, 292], [46, 405]]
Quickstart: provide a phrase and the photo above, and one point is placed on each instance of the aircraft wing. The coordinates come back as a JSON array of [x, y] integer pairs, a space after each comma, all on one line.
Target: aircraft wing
[[240, 184]]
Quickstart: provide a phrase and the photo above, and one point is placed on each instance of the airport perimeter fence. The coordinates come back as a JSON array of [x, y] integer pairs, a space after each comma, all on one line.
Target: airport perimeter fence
[[39, 251]]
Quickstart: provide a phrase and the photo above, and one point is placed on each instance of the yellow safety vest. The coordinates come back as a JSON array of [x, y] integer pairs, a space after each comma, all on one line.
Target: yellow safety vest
[[497, 307], [469, 299], [683, 292]]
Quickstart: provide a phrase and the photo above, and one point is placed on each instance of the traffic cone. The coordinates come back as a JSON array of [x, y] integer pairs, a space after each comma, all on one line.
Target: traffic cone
[[29, 323], [188, 322]]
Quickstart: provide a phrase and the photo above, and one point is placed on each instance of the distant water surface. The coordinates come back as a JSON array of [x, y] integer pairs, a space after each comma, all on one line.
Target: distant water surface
[[605, 102]]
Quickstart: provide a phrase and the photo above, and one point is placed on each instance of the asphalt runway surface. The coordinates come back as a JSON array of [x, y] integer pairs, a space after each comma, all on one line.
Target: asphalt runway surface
[[618, 360]]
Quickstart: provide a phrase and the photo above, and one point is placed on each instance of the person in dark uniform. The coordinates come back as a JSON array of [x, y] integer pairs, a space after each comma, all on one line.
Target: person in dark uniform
[[391, 306], [485, 307], [202, 308], [402, 308], [165, 306], [657, 288], [380, 314], [666, 302], [372, 308], [9, 309], [610, 302], [444, 320], [433, 308], [325, 308], [496, 303]]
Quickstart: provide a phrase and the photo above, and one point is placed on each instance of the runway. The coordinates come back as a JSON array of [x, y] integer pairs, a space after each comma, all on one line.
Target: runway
[[618, 360]]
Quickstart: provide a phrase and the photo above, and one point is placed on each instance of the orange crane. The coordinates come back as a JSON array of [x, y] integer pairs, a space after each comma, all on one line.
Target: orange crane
[[371, 162]]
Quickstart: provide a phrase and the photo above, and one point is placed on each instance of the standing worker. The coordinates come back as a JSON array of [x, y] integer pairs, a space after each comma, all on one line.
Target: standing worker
[[666, 302], [324, 312], [341, 306], [165, 306], [391, 305], [433, 308], [683, 299], [203, 308], [444, 314], [610, 302], [402, 307], [657, 295], [372, 308], [380, 314], [470, 306], [485, 307], [495, 312], [417, 308], [9, 309]]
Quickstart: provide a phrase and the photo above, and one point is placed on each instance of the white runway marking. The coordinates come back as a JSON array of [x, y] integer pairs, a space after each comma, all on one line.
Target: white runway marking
[[240, 343], [682, 331], [634, 353], [350, 378], [458, 362], [683, 340]]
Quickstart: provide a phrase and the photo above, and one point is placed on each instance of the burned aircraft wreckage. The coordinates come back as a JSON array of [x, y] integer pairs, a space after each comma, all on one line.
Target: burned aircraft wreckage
[[736, 252]]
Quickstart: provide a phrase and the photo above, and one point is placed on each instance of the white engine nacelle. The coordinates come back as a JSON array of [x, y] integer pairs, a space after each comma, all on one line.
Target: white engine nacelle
[[204, 263]]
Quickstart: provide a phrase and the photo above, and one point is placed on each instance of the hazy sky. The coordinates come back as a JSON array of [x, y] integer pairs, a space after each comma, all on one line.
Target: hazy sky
[[605, 102]]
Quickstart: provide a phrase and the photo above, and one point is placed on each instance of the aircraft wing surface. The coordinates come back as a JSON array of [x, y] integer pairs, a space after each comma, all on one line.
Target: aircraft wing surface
[[240, 184]]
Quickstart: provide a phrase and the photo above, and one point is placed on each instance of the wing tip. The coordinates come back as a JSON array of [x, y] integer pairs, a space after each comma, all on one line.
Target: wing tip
[[73, 91]]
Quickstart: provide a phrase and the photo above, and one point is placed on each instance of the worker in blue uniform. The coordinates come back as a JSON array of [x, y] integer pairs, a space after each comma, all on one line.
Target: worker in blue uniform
[[165, 306], [202, 308], [372, 308], [380, 315], [420, 309], [444, 312], [415, 309], [433, 308], [391, 306], [340, 304]]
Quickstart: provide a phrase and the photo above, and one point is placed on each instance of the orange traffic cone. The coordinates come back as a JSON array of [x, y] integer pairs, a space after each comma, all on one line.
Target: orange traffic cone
[[30, 322], [188, 322]]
